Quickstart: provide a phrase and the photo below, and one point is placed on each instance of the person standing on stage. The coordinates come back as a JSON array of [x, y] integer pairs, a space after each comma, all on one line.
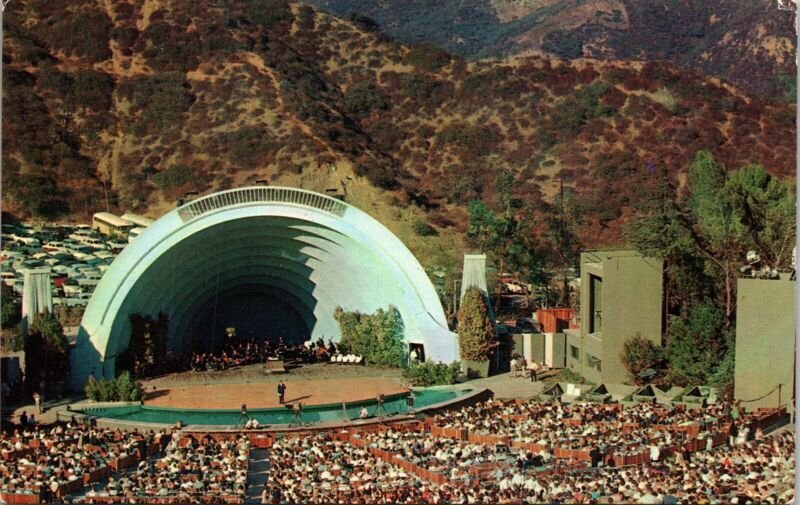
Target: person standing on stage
[[281, 392]]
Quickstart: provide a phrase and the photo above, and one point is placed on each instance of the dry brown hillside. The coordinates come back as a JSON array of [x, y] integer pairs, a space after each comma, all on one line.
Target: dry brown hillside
[[750, 43], [131, 105]]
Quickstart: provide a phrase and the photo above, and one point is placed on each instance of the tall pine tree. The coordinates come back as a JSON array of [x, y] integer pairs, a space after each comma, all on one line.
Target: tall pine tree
[[476, 334]]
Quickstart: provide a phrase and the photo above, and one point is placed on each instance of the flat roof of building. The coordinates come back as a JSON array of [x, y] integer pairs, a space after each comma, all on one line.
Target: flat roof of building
[[112, 219]]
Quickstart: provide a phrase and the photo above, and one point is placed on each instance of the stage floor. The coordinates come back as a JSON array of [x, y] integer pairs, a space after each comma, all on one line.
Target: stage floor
[[264, 394]]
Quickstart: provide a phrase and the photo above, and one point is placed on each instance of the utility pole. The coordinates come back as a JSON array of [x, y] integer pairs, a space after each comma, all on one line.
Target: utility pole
[[562, 224], [105, 192], [455, 297]]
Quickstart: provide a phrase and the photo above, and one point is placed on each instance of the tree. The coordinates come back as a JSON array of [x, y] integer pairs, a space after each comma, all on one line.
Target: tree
[[508, 237], [697, 345], [715, 228], [564, 244], [46, 350], [765, 208], [147, 350], [127, 389], [476, 333], [704, 236], [660, 230], [11, 310], [378, 337], [639, 354]]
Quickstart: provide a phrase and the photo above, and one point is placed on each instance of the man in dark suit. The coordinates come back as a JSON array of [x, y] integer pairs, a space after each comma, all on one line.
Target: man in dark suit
[[281, 392]]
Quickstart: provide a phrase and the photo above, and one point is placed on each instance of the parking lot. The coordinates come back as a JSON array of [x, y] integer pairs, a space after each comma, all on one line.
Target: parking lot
[[76, 255]]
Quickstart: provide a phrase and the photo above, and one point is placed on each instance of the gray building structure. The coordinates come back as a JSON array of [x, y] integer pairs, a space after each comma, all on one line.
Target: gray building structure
[[766, 322], [621, 296]]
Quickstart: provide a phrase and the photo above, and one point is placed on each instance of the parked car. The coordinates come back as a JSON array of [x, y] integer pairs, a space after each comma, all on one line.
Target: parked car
[[54, 246], [81, 256], [116, 245], [103, 255], [8, 278], [71, 290]]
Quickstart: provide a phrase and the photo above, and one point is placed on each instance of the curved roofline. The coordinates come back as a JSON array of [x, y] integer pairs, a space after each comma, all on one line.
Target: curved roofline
[[332, 219]]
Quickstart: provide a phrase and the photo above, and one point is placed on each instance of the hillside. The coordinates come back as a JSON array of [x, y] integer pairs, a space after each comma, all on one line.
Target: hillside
[[130, 105], [750, 43]]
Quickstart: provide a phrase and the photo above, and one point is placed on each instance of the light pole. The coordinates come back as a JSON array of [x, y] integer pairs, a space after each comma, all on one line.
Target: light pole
[[561, 236]]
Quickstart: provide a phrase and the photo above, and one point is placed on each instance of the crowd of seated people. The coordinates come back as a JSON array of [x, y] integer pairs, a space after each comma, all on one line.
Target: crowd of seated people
[[418, 464], [235, 354], [441, 455], [238, 353], [586, 425], [100, 464], [318, 469], [58, 459], [757, 471], [204, 468]]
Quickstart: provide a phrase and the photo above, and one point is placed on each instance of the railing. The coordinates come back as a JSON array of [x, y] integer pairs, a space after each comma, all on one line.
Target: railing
[[268, 194]]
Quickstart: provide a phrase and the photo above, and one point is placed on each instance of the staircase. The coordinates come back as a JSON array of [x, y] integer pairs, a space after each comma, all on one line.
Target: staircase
[[257, 474], [506, 387]]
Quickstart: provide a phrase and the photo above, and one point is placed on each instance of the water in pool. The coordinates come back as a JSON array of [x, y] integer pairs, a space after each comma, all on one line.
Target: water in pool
[[394, 404]]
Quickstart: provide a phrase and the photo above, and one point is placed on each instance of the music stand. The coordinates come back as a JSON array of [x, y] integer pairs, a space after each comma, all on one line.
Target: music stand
[[297, 410], [243, 416]]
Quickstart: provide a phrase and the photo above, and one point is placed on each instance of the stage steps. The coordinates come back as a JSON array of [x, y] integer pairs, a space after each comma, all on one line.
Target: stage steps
[[257, 474], [506, 387]]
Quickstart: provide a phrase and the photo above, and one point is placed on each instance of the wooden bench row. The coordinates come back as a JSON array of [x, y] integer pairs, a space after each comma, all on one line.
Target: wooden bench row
[[171, 499]]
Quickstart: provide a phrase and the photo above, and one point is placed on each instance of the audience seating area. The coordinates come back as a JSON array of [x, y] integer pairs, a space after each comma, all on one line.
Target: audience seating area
[[94, 465], [597, 454], [504, 452]]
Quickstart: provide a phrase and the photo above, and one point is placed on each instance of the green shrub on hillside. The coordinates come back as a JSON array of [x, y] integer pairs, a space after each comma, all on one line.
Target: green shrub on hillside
[[249, 146], [158, 101], [269, 13], [171, 47], [427, 57], [419, 86], [423, 229], [363, 22], [478, 140], [40, 194], [563, 44], [363, 98], [82, 33], [175, 175], [305, 17], [382, 174], [91, 90], [576, 110]]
